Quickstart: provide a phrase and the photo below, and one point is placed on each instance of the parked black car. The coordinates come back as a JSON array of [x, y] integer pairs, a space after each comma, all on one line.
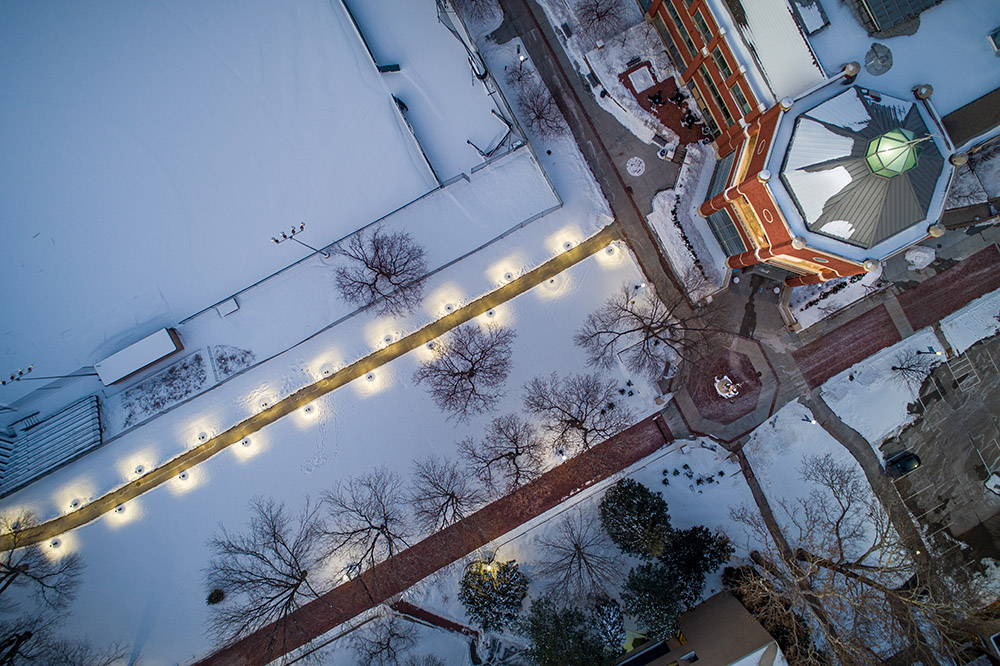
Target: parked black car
[[901, 463]]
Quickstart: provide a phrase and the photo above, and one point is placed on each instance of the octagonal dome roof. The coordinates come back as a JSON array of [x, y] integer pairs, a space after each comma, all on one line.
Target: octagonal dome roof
[[861, 167]]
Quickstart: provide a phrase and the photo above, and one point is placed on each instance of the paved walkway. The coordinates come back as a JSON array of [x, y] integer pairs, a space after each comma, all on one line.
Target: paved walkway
[[899, 316], [603, 141], [401, 572], [303, 396]]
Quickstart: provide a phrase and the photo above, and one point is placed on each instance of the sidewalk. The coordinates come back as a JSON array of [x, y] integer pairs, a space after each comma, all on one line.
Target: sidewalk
[[401, 572]]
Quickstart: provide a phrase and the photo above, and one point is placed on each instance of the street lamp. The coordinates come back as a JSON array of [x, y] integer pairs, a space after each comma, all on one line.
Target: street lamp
[[930, 350], [290, 235], [22, 375]]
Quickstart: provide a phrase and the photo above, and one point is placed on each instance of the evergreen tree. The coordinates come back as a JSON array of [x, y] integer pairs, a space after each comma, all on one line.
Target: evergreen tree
[[655, 597], [695, 552], [562, 637], [609, 624], [492, 593], [636, 519]]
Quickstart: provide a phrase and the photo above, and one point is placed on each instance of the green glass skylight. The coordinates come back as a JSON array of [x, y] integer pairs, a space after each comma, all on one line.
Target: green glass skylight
[[893, 153]]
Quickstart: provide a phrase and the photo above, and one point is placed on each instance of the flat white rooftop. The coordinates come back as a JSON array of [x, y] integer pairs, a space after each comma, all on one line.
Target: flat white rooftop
[[152, 149], [950, 51]]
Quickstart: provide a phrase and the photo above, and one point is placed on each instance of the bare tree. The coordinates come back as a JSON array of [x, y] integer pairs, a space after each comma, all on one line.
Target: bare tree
[[469, 369], [600, 17], [579, 560], [645, 333], [520, 75], [385, 270], [911, 368], [368, 521], [509, 455], [266, 572], [424, 660], [383, 641], [577, 411], [541, 113], [52, 580], [852, 577], [80, 652], [442, 494]]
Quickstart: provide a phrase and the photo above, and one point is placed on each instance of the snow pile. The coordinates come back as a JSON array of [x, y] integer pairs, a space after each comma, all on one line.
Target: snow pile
[[977, 320], [685, 236], [919, 257], [871, 397], [813, 302]]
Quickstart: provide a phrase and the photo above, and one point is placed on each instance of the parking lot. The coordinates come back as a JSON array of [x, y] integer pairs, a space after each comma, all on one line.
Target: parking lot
[[957, 437]]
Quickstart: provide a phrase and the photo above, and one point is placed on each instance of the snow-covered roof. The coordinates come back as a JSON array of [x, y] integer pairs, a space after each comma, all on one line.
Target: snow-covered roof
[[136, 356], [780, 50], [949, 50], [829, 190]]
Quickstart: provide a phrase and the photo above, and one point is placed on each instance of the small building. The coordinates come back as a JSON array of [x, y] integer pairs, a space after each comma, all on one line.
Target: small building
[[717, 632]]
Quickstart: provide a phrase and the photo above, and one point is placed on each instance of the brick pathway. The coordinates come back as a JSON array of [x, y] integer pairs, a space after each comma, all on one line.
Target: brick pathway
[[846, 345], [453, 543], [951, 289]]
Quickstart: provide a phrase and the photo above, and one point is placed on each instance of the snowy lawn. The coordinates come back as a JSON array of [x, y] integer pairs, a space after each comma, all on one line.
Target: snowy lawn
[[874, 401], [143, 583], [776, 451]]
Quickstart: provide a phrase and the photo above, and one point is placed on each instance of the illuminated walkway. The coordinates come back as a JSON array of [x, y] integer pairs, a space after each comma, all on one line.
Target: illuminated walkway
[[304, 396]]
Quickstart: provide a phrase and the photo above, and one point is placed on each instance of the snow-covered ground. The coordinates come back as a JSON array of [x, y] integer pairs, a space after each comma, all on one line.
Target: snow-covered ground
[[977, 320], [871, 397], [607, 62], [689, 503], [776, 450], [950, 51], [143, 582]]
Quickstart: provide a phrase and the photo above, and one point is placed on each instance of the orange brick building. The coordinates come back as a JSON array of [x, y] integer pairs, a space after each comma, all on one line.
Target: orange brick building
[[827, 182]]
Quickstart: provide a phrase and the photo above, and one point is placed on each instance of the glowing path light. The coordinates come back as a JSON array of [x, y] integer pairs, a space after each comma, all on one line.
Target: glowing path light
[[209, 446]]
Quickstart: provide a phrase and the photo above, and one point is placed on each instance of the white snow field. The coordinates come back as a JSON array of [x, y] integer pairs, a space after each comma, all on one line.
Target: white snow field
[[152, 150]]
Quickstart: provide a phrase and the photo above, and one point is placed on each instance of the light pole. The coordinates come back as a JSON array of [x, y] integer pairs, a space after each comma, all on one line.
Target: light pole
[[290, 235], [22, 376], [930, 350]]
